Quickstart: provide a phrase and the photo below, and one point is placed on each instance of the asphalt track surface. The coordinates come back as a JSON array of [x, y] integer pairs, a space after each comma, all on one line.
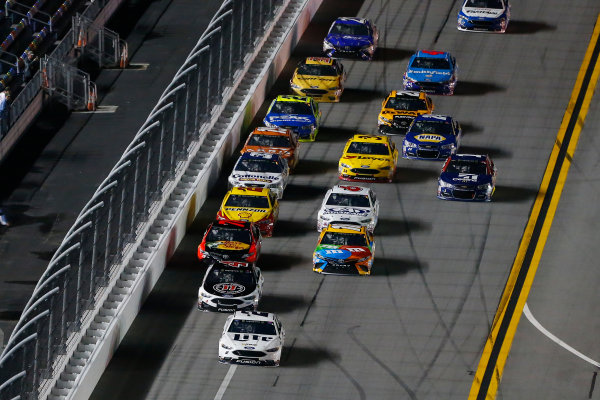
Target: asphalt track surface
[[416, 327]]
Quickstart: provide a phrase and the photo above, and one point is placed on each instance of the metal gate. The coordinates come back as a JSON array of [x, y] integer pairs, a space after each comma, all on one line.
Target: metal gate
[[71, 86], [99, 43]]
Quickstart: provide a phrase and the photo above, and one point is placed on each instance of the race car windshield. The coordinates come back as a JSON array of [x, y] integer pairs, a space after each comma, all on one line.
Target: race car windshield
[[349, 29], [344, 239], [467, 167], [398, 103], [269, 141], [380, 149], [497, 4], [439, 127], [430, 63], [291, 107], [317, 70], [237, 200], [350, 200], [258, 165], [217, 234], [240, 276], [257, 327]]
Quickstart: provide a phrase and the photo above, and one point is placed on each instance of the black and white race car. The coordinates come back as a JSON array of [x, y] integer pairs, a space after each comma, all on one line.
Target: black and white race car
[[227, 289], [252, 338], [349, 204]]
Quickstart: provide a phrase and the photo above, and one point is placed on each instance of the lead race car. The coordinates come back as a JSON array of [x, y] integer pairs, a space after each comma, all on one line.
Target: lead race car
[[252, 338], [353, 204], [467, 177], [350, 36], [484, 16], [258, 169]]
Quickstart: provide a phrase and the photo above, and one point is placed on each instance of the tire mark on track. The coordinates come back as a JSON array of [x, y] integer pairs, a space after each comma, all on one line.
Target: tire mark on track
[[312, 301], [439, 32]]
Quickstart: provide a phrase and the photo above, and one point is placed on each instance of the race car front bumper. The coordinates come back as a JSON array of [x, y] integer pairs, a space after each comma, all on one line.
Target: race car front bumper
[[329, 267], [444, 88], [320, 95], [464, 194], [249, 361], [426, 152], [227, 305]]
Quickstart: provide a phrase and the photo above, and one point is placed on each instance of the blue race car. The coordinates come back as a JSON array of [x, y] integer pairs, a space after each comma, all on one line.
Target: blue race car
[[351, 37], [431, 72], [484, 16], [299, 114], [431, 137], [467, 177]]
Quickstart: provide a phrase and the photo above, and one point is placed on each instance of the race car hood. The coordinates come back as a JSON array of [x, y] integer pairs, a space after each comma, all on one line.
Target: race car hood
[[390, 112], [251, 341], [342, 253], [228, 289], [429, 75], [290, 120], [466, 179], [246, 213], [316, 82], [347, 214], [475, 12], [365, 161], [430, 138], [226, 245], [349, 40], [255, 177]]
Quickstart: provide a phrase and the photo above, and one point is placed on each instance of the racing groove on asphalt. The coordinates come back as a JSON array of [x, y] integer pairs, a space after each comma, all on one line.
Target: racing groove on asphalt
[[415, 328]]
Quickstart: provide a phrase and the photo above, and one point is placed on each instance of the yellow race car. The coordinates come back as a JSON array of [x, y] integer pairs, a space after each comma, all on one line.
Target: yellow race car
[[400, 109], [368, 158], [253, 204], [321, 78]]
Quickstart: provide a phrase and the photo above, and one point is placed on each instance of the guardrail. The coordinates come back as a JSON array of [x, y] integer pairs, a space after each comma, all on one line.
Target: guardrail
[[116, 217]]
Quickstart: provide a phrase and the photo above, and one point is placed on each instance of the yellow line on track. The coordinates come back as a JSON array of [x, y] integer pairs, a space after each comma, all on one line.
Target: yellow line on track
[[497, 347]]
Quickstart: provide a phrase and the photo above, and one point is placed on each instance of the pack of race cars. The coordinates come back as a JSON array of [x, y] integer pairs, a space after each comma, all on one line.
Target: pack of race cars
[[348, 215]]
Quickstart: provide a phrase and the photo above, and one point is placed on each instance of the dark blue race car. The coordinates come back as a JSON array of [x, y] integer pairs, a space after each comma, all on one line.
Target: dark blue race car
[[351, 37], [484, 16], [431, 72], [467, 177], [431, 137], [299, 114]]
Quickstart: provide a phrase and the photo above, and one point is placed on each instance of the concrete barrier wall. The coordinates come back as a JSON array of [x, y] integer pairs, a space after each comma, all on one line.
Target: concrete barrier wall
[[155, 264]]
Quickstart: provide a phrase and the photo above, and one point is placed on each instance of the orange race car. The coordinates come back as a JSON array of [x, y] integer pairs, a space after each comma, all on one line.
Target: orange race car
[[274, 140]]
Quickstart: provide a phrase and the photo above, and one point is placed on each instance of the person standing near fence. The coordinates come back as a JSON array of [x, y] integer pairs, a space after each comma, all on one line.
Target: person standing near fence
[[4, 112]]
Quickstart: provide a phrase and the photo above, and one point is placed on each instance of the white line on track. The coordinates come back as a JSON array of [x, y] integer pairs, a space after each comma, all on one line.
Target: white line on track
[[556, 340], [225, 382]]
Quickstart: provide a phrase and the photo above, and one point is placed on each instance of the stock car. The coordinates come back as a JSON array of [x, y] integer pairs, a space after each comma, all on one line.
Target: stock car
[[400, 108], [321, 78], [349, 36], [349, 204], [432, 72], [236, 243], [274, 141], [252, 338], [467, 177], [484, 16], [431, 137], [229, 289], [255, 169], [368, 158], [344, 249], [300, 114], [258, 205]]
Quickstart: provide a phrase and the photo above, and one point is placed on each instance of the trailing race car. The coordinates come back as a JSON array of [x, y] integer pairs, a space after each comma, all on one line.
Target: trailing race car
[[258, 205], [432, 137], [228, 289], [261, 170], [467, 177], [321, 78], [432, 72], [300, 114], [368, 158], [344, 249], [484, 16], [274, 141], [252, 338], [236, 243], [349, 204], [351, 37], [400, 109]]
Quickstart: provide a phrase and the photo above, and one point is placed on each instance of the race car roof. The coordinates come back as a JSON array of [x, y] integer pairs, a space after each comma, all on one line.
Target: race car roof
[[350, 189], [263, 130], [257, 155], [319, 61], [297, 99], [345, 228], [360, 137], [432, 54], [408, 94], [351, 20], [433, 117], [233, 224], [469, 157], [254, 191], [253, 316]]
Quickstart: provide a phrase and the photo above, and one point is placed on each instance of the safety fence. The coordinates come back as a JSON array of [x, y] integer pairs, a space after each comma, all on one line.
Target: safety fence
[[92, 253]]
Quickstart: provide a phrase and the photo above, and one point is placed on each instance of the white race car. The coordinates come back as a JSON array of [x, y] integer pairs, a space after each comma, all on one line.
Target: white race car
[[252, 338], [265, 170], [346, 203], [227, 289]]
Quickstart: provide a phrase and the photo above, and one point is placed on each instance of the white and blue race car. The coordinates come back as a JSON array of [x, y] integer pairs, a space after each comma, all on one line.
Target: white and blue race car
[[349, 204], [484, 16], [431, 137], [467, 177], [254, 169]]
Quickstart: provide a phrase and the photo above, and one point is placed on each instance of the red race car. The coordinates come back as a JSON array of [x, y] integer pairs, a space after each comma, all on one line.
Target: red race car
[[236, 243]]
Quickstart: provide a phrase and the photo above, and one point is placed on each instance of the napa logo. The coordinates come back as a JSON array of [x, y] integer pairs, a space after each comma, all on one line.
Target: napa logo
[[427, 137]]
